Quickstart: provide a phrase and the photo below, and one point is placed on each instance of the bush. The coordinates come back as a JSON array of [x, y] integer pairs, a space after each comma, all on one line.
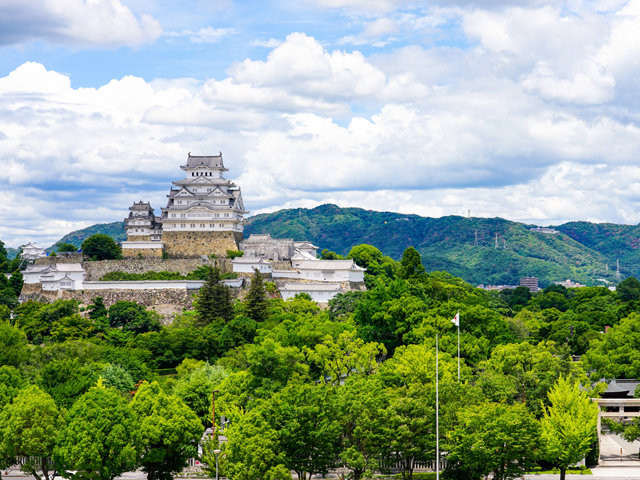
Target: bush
[[231, 254], [102, 247]]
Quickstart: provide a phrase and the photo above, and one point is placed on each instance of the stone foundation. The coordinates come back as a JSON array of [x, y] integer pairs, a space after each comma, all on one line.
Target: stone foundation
[[138, 238], [197, 244], [144, 252], [97, 270]]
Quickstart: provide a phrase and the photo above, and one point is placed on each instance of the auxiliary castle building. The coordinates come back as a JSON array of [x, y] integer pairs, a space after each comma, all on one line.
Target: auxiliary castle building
[[204, 215]]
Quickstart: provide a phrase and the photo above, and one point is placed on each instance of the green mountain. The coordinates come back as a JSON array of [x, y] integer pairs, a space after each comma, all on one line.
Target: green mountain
[[446, 243], [115, 230], [12, 252], [580, 252]]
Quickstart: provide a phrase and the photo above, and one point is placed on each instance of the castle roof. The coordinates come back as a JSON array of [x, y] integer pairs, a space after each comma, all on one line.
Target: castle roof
[[203, 181], [213, 161], [311, 287], [140, 206]]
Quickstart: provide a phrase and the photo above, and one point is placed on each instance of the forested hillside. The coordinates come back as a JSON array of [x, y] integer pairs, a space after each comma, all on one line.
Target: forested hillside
[[581, 252]]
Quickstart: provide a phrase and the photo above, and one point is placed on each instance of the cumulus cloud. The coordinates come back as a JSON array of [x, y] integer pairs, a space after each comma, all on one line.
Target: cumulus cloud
[[535, 120], [85, 23]]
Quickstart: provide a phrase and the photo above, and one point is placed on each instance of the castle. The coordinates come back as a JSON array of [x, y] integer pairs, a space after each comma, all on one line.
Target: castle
[[204, 216]]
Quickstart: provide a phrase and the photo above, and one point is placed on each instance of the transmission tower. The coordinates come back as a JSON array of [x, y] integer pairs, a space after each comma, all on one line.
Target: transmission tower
[[618, 270], [504, 244], [496, 241], [476, 238]]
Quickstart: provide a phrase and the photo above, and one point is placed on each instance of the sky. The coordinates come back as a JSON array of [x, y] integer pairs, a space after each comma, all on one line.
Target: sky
[[525, 110]]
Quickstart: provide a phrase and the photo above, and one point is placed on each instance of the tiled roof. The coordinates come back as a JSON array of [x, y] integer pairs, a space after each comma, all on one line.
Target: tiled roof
[[213, 161]]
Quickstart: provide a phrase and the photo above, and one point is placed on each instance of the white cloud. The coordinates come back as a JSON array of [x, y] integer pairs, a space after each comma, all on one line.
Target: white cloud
[[204, 35], [271, 43], [535, 121], [85, 23]]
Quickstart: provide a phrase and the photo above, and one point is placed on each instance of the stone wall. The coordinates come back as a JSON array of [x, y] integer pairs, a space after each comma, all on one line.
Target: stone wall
[[196, 244], [145, 252], [96, 270], [138, 238], [73, 258]]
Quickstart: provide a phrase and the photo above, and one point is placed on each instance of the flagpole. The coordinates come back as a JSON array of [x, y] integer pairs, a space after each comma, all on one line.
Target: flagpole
[[437, 419], [458, 345]]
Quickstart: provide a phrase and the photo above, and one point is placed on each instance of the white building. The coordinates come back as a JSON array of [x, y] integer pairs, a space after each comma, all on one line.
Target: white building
[[31, 251], [305, 251], [204, 200], [53, 277], [249, 264], [319, 292], [324, 271]]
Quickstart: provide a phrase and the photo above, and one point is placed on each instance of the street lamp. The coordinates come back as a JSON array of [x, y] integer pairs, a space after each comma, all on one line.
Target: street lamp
[[213, 412], [217, 452]]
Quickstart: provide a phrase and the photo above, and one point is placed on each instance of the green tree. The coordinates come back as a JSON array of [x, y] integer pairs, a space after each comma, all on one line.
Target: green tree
[[133, 317], [13, 345], [195, 388], [307, 429], [256, 304], [616, 354], [188, 366], [629, 289], [568, 425], [66, 248], [37, 322], [113, 375], [102, 247], [98, 441], [494, 438], [329, 255], [231, 254], [11, 381], [361, 404], [15, 282], [411, 423], [66, 381], [28, 429], [169, 432], [369, 257], [411, 264], [72, 328], [5, 313], [214, 300], [252, 450], [97, 309], [345, 356]]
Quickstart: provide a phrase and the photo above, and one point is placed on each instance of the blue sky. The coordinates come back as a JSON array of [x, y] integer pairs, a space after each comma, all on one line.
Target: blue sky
[[526, 110]]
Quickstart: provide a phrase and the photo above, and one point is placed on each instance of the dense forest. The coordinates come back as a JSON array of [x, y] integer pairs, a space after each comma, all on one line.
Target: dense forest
[[349, 388], [465, 247]]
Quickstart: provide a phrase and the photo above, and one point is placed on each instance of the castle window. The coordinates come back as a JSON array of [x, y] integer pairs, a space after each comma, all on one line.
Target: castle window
[[226, 214], [220, 225], [193, 174], [202, 225], [211, 225], [217, 215], [182, 225]]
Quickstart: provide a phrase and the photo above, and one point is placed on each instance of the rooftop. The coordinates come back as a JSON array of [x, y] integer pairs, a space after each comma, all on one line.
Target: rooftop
[[328, 265], [209, 161]]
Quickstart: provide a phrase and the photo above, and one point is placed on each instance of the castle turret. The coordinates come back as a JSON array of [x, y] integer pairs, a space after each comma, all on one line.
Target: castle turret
[[204, 213], [141, 223]]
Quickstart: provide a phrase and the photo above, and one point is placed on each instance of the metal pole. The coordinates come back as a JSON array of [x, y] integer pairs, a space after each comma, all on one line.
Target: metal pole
[[217, 454], [437, 419]]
